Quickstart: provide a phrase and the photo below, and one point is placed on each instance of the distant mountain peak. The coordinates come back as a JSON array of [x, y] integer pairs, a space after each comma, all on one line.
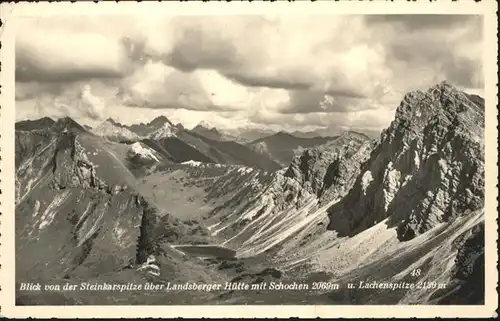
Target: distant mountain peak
[[205, 124], [167, 129], [284, 134], [112, 121], [159, 121], [114, 131], [41, 123], [205, 129], [47, 119]]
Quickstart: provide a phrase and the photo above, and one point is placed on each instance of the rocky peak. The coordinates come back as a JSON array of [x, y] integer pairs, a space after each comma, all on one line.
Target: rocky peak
[[443, 105], [164, 131], [310, 167], [146, 130], [112, 131], [329, 172], [71, 166], [427, 169], [67, 124], [204, 124]]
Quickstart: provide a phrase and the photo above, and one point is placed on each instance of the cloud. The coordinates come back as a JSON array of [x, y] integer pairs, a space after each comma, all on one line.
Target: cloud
[[34, 89], [281, 71], [295, 53], [412, 22], [446, 47], [371, 120], [307, 101], [87, 57], [91, 104], [67, 50], [200, 46], [159, 86]]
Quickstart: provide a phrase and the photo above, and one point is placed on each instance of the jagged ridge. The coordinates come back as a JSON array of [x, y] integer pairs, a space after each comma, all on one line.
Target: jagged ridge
[[429, 163]]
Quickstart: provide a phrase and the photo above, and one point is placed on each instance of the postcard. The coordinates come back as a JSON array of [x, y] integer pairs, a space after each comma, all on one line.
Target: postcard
[[249, 159]]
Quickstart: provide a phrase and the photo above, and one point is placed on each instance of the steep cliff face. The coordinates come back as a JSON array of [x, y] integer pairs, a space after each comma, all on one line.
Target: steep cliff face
[[78, 211], [428, 167], [468, 274], [71, 166], [329, 171]]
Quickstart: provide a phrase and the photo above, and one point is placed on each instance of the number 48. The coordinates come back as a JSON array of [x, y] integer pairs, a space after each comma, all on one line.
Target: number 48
[[416, 272]]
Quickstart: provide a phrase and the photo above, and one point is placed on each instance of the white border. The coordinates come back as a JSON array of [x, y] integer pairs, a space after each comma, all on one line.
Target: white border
[[9, 12]]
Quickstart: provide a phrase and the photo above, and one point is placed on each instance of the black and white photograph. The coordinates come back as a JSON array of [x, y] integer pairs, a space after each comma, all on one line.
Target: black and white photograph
[[313, 159]]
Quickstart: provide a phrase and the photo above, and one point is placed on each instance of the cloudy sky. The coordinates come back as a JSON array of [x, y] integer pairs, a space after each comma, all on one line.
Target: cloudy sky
[[295, 72]]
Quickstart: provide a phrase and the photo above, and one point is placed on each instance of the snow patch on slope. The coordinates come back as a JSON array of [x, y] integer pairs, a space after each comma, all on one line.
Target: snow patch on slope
[[143, 152], [193, 163]]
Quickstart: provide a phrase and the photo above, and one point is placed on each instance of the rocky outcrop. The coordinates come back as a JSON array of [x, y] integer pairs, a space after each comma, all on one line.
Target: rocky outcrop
[[166, 130], [72, 168], [427, 168], [114, 132], [329, 171], [344, 170], [310, 169]]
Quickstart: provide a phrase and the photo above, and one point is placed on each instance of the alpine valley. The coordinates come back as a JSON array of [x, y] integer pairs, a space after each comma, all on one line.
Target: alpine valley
[[194, 209]]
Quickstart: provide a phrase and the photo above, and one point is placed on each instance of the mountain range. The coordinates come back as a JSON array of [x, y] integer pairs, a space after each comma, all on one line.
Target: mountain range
[[202, 143], [157, 202]]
